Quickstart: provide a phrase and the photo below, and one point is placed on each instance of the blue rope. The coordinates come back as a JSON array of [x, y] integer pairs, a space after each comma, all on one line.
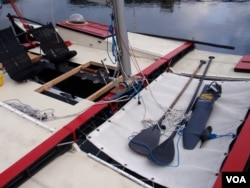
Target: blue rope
[[151, 155], [180, 133], [164, 164], [137, 87], [114, 44], [214, 136]]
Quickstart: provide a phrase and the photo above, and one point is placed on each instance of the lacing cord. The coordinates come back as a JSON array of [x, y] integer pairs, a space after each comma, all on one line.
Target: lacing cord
[[214, 136], [36, 113]]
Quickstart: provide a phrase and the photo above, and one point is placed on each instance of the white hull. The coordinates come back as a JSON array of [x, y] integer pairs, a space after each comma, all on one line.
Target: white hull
[[21, 139]]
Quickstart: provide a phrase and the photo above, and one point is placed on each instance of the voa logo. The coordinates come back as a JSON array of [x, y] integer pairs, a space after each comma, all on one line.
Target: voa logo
[[236, 179]]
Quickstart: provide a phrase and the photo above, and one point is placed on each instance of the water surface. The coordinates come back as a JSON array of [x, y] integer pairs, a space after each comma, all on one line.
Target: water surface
[[222, 22]]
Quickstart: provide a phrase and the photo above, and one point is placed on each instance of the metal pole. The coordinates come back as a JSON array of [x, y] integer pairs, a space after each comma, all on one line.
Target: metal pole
[[122, 37]]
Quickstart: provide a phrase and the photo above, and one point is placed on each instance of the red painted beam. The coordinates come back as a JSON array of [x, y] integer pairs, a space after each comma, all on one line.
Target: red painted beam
[[166, 59], [238, 155], [24, 162], [19, 14], [243, 65], [91, 28]]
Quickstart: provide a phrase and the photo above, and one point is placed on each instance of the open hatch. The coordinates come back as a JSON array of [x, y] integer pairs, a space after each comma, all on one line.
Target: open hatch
[[88, 81]]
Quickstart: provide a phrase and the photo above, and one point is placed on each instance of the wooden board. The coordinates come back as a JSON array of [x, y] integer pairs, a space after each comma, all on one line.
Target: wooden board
[[74, 71], [34, 57]]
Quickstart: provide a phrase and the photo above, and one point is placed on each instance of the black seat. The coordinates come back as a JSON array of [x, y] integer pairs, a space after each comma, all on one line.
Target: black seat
[[52, 44], [15, 58]]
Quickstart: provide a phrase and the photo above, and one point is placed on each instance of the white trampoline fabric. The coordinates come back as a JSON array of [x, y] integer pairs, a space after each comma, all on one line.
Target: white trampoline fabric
[[196, 168]]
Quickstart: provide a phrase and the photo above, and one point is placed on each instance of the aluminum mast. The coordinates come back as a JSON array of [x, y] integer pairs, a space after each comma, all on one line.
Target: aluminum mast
[[121, 34]]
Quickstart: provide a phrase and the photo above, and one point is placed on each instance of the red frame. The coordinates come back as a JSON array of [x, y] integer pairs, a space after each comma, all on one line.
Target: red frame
[[24, 162], [243, 65], [238, 155], [91, 28]]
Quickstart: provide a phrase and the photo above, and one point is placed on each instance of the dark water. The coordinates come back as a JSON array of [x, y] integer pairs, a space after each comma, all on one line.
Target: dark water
[[222, 22]]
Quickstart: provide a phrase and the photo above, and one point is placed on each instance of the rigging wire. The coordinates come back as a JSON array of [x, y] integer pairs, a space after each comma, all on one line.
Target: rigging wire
[[172, 119], [143, 77], [49, 114], [114, 47], [134, 16], [134, 60], [36, 113], [121, 99], [1, 7], [52, 8]]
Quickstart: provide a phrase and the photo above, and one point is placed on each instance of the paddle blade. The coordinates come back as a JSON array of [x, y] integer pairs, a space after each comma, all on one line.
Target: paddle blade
[[164, 153], [146, 140]]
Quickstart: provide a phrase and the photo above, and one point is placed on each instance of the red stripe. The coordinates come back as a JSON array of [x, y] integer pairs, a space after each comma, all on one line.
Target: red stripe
[[243, 65], [147, 71], [92, 28], [24, 162], [238, 155]]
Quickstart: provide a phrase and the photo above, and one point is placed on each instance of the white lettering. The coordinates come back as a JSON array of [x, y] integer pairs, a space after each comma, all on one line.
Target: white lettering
[[243, 180], [229, 178], [236, 179]]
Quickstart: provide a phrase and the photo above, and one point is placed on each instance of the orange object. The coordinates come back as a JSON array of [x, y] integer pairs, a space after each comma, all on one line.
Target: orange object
[[1, 79]]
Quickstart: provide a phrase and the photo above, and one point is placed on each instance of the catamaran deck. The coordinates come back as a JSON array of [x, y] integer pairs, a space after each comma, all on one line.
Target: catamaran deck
[[22, 138], [222, 66], [90, 173], [21, 134]]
